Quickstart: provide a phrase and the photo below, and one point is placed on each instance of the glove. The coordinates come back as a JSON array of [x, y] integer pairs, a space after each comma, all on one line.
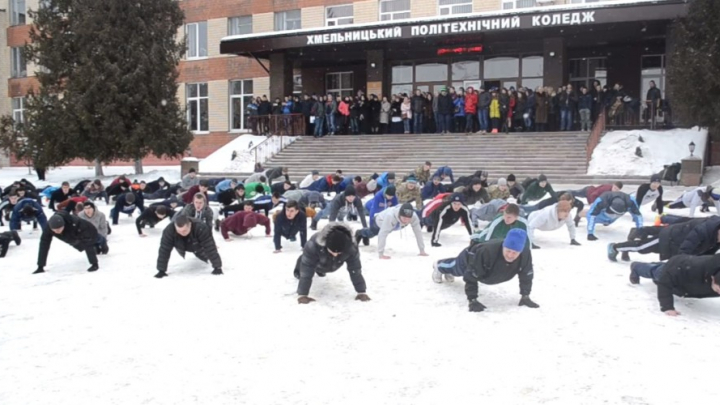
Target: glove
[[435, 244], [217, 272], [592, 237], [161, 274], [476, 306], [39, 270], [526, 301], [534, 246], [362, 297], [304, 299], [574, 243]]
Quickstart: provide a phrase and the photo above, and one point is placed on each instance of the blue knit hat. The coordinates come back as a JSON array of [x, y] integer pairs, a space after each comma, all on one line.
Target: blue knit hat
[[515, 240]]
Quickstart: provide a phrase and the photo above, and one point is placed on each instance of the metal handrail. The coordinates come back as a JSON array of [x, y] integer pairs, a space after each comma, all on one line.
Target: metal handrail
[[598, 130]]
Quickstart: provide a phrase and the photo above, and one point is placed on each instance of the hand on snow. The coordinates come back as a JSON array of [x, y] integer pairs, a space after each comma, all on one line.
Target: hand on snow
[[592, 237], [672, 312], [228, 240], [476, 306], [161, 274], [277, 251], [304, 299], [526, 301], [574, 243], [362, 297], [534, 246], [39, 270], [142, 235], [268, 236], [383, 257], [217, 272], [423, 254]]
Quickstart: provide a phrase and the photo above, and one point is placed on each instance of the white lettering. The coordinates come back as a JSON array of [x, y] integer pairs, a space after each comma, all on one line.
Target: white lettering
[[356, 36], [318, 39], [545, 20], [348, 36], [495, 24], [311, 40], [472, 25], [556, 19], [364, 35], [454, 27], [397, 32], [424, 30], [381, 34], [535, 20], [575, 19], [340, 37], [588, 16], [566, 18], [414, 30], [463, 27], [373, 35], [486, 24], [505, 23], [433, 29], [446, 28], [326, 39], [515, 22]]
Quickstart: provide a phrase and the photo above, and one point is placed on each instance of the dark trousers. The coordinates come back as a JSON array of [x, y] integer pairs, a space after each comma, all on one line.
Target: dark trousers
[[371, 232], [454, 266], [643, 240], [649, 270]]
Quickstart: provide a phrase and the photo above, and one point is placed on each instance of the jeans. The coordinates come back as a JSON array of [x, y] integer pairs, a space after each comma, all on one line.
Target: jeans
[[438, 125], [585, 123], [454, 266], [371, 232], [648, 270], [484, 119], [469, 123], [325, 212], [406, 125], [445, 122], [354, 127], [331, 123], [528, 121], [566, 120], [319, 124], [417, 123]]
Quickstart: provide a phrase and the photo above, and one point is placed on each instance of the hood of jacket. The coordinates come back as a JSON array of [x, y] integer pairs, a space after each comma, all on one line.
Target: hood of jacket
[[322, 235]]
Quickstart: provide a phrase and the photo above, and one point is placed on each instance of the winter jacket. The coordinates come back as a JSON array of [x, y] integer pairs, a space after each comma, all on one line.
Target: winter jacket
[[459, 103], [495, 108], [694, 198], [487, 212], [344, 108], [361, 189], [250, 189], [585, 102], [287, 228], [445, 216], [264, 108], [187, 197], [406, 195], [223, 185], [154, 186], [430, 190], [485, 263], [672, 237], [149, 218], [340, 201], [99, 221], [472, 197], [189, 181], [17, 214], [546, 219], [389, 221], [484, 100], [319, 109], [316, 259], [199, 241], [498, 229], [275, 173], [385, 107], [321, 185], [236, 224], [568, 101], [418, 104], [422, 175], [687, 276], [229, 196], [379, 204], [80, 187], [445, 104], [444, 171], [598, 211], [205, 215], [541, 108], [702, 238], [307, 181], [645, 195], [5, 239], [594, 192], [496, 193], [382, 180], [310, 197], [534, 192], [77, 233], [121, 205], [471, 102], [406, 110], [58, 196]]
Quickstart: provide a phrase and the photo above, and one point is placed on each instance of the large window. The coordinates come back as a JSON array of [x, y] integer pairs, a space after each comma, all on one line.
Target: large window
[[452, 7], [339, 84], [339, 15], [653, 69], [394, 9], [196, 40], [532, 72], [241, 95], [583, 71], [197, 106], [19, 66], [18, 107], [402, 79], [513, 4], [240, 25], [17, 12], [287, 20], [499, 68]]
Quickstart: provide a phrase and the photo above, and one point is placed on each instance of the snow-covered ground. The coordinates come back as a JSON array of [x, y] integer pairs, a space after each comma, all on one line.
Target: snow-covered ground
[[221, 160], [120, 336], [74, 174], [615, 155]]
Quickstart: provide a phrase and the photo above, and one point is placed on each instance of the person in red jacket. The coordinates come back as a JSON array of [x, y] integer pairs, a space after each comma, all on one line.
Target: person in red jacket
[[471, 100], [202, 187], [241, 222]]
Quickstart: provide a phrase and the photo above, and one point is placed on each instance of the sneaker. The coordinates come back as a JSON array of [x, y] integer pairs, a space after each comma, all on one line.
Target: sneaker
[[94, 267], [611, 252], [104, 249], [313, 226], [366, 241], [626, 256], [577, 221], [16, 238], [634, 277], [436, 275], [449, 278], [217, 225]]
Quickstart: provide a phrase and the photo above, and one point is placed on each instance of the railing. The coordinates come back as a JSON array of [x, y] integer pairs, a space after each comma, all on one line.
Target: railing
[[281, 124], [597, 132], [631, 115], [270, 147]]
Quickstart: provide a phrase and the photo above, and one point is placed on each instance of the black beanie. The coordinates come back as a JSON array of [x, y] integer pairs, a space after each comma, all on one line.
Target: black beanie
[[338, 241], [56, 222], [542, 178], [406, 210], [511, 177], [391, 176], [350, 190], [130, 198]]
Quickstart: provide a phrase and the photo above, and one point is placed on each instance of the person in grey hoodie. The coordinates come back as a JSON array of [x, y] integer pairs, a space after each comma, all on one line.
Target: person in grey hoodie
[[99, 221], [392, 219], [200, 210], [189, 180]]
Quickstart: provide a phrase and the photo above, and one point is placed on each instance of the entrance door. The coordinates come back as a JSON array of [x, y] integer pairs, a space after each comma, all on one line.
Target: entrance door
[[489, 84]]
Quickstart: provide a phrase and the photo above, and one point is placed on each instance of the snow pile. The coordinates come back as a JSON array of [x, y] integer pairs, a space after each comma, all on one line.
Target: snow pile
[[221, 160], [74, 174], [615, 155]]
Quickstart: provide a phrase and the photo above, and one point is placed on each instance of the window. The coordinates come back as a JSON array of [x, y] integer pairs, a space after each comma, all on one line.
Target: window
[[241, 95], [394, 9], [584, 71], [240, 25], [498, 68], [339, 84], [287, 20], [339, 15], [297, 84], [197, 106], [196, 40], [513, 4], [18, 107], [532, 72], [454, 7], [19, 67], [467, 70], [431, 72], [17, 12]]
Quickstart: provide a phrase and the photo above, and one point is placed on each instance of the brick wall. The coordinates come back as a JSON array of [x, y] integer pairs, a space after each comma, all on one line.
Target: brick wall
[[425, 8], [487, 5], [313, 17], [366, 11]]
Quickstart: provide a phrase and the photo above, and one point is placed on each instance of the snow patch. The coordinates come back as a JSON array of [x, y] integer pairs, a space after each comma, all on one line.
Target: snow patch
[[221, 160], [615, 155], [74, 174]]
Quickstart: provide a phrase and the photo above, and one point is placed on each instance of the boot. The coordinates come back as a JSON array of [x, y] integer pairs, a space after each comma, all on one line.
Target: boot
[[634, 277], [94, 267], [16, 238], [104, 249]]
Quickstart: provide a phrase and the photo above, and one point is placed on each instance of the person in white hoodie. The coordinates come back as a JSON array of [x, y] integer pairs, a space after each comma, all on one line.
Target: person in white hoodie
[[389, 220], [309, 179], [696, 198], [552, 218]]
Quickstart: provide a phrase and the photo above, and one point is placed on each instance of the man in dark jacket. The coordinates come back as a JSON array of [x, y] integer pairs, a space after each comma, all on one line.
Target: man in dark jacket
[[432, 188], [417, 105], [76, 232], [127, 204], [682, 275], [187, 235], [492, 262], [651, 193], [264, 111], [27, 210], [157, 189], [535, 189], [241, 222], [201, 187], [568, 105], [474, 192], [326, 252], [696, 237], [276, 173], [60, 195], [231, 196], [306, 106], [288, 223], [5, 239], [344, 204], [446, 109], [150, 217], [449, 213]]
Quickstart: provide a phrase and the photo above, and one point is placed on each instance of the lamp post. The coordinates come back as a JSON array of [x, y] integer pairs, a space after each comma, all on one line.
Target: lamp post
[[692, 148]]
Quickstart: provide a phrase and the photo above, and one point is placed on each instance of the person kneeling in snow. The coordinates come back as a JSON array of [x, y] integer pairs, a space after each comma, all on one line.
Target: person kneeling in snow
[[187, 235], [682, 275], [493, 262], [241, 222], [75, 231], [608, 208], [552, 218], [326, 252], [5, 239], [392, 219]]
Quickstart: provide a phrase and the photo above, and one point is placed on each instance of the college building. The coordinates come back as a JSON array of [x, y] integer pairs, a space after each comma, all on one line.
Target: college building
[[240, 49]]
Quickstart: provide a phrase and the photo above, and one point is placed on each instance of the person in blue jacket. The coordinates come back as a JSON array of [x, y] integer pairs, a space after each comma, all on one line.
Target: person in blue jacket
[[432, 188], [27, 210], [610, 206], [348, 180], [321, 185], [382, 201], [459, 115], [443, 172], [386, 179], [127, 204], [225, 185]]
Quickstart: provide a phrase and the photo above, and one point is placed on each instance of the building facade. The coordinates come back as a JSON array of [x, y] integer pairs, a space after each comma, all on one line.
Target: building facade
[[240, 49]]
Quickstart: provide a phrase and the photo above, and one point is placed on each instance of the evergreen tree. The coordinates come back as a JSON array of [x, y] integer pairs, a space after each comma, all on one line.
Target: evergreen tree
[[694, 68]]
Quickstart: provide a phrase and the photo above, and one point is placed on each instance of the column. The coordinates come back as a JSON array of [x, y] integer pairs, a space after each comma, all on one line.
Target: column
[[555, 62], [281, 76], [375, 71]]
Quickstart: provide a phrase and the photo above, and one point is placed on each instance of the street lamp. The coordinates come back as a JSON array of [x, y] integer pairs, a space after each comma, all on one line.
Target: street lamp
[[692, 148]]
